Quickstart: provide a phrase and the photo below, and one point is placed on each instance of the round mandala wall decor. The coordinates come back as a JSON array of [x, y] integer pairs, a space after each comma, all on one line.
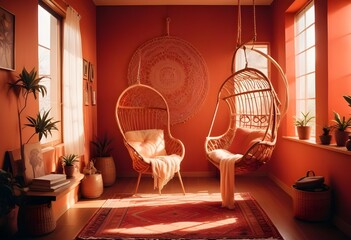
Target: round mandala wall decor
[[174, 68]]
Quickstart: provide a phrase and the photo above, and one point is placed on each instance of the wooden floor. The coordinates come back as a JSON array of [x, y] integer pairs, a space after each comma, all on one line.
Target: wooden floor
[[275, 202]]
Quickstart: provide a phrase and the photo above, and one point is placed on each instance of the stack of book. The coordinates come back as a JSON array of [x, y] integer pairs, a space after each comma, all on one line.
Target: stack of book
[[49, 183]]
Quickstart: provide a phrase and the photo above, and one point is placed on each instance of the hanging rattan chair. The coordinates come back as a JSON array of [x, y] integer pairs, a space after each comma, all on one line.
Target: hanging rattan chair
[[143, 118], [253, 110]]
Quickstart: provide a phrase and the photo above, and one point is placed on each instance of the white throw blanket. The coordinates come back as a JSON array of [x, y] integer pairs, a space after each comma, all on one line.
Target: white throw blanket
[[164, 168], [227, 181]]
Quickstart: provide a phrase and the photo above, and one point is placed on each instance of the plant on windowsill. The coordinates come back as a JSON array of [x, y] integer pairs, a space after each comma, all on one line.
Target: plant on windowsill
[[69, 166], [104, 160], [325, 138], [348, 142], [28, 83], [341, 128], [303, 130]]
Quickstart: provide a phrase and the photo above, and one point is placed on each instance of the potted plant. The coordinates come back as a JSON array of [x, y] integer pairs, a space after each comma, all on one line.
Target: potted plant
[[92, 184], [104, 160], [341, 126], [303, 130], [325, 137], [28, 83], [68, 162], [9, 200]]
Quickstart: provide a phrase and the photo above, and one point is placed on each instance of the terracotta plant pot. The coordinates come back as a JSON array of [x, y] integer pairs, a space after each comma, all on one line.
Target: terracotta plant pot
[[325, 139], [304, 132], [106, 165], [69, 171], [341, 137], [92, 186]]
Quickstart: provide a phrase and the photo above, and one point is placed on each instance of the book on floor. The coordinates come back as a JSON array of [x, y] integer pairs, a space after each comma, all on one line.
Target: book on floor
[[49, 179], [49, 188]]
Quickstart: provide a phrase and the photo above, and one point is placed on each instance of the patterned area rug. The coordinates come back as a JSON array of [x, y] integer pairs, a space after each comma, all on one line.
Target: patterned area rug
[[193, 216]]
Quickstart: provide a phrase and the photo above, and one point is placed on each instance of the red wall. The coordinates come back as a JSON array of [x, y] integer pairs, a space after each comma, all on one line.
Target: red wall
[[291, 159], [210, 29]]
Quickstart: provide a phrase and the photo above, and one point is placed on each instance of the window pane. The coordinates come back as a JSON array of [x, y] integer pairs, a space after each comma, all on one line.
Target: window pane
[[255, 60], [49, 68], [300, 84], [300, 24], [300, 64], [310, 37], [310, 60], [310, 15], [300, 42], [310, 85], [44, 27]]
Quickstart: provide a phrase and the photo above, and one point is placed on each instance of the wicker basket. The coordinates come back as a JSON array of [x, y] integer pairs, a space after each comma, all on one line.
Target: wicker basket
[[36, 219], [312, 205], [106, 166]]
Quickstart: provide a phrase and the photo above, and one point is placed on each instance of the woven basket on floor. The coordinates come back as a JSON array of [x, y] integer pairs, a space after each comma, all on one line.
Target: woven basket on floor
[[312, 205], [106, 166], [36, 219]]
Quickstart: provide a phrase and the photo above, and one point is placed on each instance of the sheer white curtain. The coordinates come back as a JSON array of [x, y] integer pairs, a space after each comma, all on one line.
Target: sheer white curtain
[[73, 123]]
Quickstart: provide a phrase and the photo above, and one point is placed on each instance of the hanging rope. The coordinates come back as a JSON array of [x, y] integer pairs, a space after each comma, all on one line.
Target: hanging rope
[[254, 13], [168, 20], [238, 39], [139, 65]]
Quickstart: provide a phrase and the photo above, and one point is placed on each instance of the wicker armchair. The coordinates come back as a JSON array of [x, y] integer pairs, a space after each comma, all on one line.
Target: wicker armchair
[[141, 108]]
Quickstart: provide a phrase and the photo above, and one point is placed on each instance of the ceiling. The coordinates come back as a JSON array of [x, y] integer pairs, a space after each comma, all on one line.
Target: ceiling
[[179, 2]]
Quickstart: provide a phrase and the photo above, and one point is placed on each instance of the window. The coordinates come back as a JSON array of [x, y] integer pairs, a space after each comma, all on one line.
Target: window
[[49, 47], [254, 59], [305, 63]]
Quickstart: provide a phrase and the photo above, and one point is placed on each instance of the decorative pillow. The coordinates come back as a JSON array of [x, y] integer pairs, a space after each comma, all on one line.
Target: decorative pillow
[[148, 143], [244, 138]]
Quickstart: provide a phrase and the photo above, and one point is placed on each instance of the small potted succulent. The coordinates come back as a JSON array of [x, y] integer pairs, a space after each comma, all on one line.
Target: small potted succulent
[[325, 137], [68, 162], [303, 129], [92, 184]]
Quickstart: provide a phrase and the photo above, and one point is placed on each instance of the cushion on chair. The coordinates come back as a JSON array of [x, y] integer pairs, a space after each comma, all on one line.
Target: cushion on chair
[[148, 143], [244, 138]]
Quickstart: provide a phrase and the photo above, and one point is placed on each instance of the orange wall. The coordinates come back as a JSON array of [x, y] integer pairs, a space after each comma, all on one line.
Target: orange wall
[[210, 29], [291, 160], [26, 55]]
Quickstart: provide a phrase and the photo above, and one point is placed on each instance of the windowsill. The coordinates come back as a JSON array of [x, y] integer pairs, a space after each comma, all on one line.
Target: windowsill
[[312, 142]]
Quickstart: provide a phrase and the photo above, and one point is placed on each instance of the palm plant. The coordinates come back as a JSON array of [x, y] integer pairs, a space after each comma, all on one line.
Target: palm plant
[[102, 146], [29, 83]]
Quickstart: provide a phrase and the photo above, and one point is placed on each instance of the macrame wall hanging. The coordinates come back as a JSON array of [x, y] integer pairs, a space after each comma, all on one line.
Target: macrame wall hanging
[[176, 69]]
